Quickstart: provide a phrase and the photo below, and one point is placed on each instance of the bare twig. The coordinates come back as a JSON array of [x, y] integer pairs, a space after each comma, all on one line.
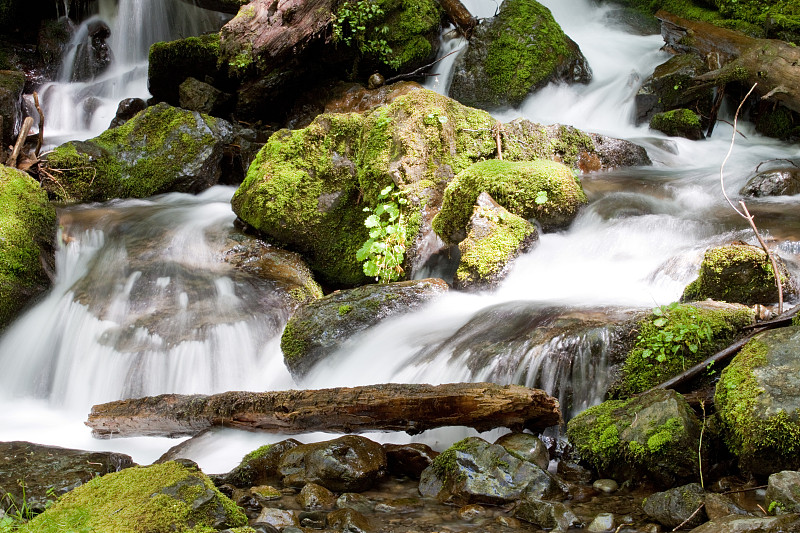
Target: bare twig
[[40, 140], [690, 517], [730, 150], [700, 447], [23, 135], [498, 132], [749, 489], [777, 159], [771, 256], [416, 72]]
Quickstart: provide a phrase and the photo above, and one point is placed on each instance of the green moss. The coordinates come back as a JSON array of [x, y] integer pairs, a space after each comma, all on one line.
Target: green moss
[[677, 123], [27, 229], [445, 464], [411, 24], [170, 63], [778, 122], [515, 186], [598, 442], [157, 499], [295, 342], [258, 453], [688, 326], [344, 309]]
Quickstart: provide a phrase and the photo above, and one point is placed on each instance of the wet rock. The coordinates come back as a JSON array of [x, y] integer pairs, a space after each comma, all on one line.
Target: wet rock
[[260, 465], [678, 123], [783, 491], [719, 506], [472, 512], [196, 95], [502, 66], [93, 54], [757, 401], [53, 38], [546, 514], [266, 493], [313, 519], [655, 436], [126, 110], [494, 239], [27, 234], [48, 472], [319, 328], [605, 485], [355, 501], [349, 520], [602, 523], [776, 182], [12, 83], [164, 497], [399, 506], [674, 507], [738, 524], [474, 471], [349, 463], [526, 447], [409, 459], [171, 63], [669, 88], [509, 522], [573, 472], [277, 518], [162, 149], [315, 497]]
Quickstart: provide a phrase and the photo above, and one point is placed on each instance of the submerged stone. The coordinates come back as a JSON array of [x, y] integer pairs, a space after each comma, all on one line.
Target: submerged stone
[[546, 514], [677, 506], [740, 524]]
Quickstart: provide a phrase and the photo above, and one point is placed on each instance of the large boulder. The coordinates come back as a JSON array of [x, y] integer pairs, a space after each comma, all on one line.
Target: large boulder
[[348, 464], [12, 83], [159, 499], [783, 491], [494, 239], [670, 87], [520, 50], [738, 273], [259, 466], [27, 236], [542, 190], [475, 471], [35, 475], [757, 399], [678, 506], [675, 337], [321, 327], [775, 182], [654, 436], [171, 63], [162, 149]]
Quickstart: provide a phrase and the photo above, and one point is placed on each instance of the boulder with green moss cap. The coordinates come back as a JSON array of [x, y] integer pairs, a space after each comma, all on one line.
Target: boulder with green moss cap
[[678, 123], [494, 239], [739, 273], [170, 63], [162, 149], [27, 235], [517, 52], [159, 499], [758, 402], [654, 436], [670, 87]]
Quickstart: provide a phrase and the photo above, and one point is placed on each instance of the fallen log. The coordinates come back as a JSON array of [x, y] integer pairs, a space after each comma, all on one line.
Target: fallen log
[[21, 138], [771, 63], [390, 407], [460, 16]]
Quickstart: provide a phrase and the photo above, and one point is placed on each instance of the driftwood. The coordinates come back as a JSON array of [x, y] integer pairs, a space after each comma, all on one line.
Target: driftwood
[[460, 16], [390, 407], [771, 63], [783, 320], [21, 138]]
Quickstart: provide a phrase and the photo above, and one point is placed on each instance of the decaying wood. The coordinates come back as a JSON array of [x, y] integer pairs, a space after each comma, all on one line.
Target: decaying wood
[[460, 16], [771, 63], [727, 353], [40, 138], [23, 135], [390, 407]]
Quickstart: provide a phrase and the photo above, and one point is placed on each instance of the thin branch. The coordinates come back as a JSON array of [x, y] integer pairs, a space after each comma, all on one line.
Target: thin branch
[[40, 140], [777, 159], [690, 517], [771, 256], [730, 150], [415, 73]]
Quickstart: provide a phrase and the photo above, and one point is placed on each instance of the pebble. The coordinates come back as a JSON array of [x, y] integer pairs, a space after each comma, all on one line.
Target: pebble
[[471, 512], [602, 523], [605, 485], [508, 521]]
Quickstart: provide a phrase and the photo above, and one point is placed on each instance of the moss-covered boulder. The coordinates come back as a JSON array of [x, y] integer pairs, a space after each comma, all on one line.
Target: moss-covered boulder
[[775, 182], [520, 50], [157, 499], [670, 87], [162, 149], [654, 436], [675, 337], [475, 471], [12, 83], [171, 63], [259, 466], [758, 401], [27, 235], [542, 190], [494, 239], [320, 328], [678, 123], [738, 273]]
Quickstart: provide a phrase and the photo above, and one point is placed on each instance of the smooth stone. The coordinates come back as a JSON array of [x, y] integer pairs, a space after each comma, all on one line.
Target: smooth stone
[[605, 485]]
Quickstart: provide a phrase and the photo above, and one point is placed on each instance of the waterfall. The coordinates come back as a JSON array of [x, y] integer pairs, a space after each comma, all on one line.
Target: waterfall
[[142, 304]]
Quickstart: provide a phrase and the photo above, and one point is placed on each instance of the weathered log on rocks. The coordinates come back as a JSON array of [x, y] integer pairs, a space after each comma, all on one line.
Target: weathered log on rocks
[[460, 16], [736, 57], [391, 407]]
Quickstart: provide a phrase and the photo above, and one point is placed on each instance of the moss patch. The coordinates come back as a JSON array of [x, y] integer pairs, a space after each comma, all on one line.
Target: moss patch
[[170, 63], [157, 499], [678, 123]]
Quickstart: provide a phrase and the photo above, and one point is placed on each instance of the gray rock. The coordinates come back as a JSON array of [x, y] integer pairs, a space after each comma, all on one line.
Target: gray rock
[[738, 524], [277, 518], [203, 97], [314, 497], [669, 88], [776, 182], [355, 501], [409, 459], [602, 523], [605, 485], [546, 514], [526, 447], [349, 463], [783, 491], [399, 506], [260, 465], [126, 110], [674, 507], [349, 521]]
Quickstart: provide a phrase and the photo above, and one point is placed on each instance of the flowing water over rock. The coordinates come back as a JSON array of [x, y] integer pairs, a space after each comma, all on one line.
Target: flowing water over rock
[[144, 305]]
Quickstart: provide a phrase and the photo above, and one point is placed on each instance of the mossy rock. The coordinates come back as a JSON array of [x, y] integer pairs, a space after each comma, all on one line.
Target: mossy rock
[[670, 86], [676, 337], [520, 50], [161, 498], [542, 190], [678, 123], [259, 466], [170, 63], [758, 403], [653, 436], [12, 83], [738, 273], [162, 149], [495, 238], [27, 236], [319, 328]]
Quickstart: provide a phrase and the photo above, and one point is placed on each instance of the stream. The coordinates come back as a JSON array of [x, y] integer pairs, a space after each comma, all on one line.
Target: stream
[[144, 305]]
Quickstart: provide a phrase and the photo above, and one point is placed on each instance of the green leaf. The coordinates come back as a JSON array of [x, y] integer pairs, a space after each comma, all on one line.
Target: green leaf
[[372, 221], [693, 348], [387, 190], [659, 322], [363, 252], [541, 197], [647, 353]]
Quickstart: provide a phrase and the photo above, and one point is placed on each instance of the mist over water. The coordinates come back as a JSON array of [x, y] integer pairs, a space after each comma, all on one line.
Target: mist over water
[[143, 305]]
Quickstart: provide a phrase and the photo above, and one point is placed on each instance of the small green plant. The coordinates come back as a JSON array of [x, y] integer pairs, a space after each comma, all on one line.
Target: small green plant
[[385, 249], [18, 513], [672, 336], [354, 24], [541, 198]]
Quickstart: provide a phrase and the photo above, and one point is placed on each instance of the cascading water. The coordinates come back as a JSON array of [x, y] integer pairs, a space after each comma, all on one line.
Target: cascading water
[[143, 306], [79, 105]]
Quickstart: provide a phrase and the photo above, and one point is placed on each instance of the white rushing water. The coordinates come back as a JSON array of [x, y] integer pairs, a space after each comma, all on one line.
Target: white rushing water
[[143, 306]]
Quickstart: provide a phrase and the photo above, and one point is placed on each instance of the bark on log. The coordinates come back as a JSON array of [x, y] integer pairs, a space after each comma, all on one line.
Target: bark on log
[[21, 138], [460, 16], [390, 407], [771, 63]]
